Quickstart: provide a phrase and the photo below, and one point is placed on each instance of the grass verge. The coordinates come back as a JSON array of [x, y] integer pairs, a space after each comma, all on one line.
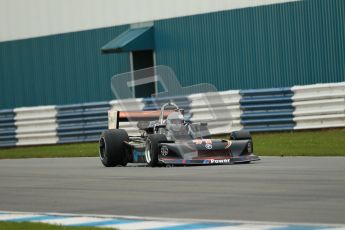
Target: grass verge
[[63, 150], [301, 143], [39, 226], [297, 143]]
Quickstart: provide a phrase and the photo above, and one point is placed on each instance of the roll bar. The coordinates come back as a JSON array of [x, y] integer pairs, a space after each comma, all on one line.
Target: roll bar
[[161, 116]]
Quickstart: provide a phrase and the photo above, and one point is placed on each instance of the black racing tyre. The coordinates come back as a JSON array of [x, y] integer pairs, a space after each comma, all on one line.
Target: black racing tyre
[[112, 150], [240, 135], [152, 148]]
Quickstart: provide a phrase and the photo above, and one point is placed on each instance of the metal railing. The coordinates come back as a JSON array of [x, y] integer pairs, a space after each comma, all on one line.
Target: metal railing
[[279, 109]]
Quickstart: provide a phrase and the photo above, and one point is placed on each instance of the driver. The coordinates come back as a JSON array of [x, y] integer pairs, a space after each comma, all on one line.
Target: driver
[[175, 121]]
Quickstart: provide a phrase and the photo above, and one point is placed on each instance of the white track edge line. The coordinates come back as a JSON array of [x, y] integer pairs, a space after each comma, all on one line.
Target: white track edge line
[[148, 218]]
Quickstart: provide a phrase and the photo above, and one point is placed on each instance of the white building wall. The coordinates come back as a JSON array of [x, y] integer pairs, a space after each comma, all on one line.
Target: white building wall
[[32, 18]]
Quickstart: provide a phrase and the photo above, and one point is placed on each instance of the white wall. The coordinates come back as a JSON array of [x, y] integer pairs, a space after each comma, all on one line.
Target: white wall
[[32, 18]]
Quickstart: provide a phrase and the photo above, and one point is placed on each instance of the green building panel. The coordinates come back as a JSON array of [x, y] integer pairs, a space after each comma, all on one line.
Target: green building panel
[[277, 45], [261, 47], [60, 69]]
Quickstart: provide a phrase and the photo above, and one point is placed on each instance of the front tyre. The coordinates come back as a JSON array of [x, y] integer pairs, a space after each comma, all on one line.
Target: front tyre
[[112, 150], [152, 148]]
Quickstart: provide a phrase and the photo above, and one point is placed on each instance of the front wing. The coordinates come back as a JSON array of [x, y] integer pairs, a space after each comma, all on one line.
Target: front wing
[[209, 161]]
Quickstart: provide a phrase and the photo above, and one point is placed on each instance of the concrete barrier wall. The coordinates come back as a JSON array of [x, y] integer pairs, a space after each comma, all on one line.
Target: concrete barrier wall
[[36, 125], [300, 107], [319, 106]]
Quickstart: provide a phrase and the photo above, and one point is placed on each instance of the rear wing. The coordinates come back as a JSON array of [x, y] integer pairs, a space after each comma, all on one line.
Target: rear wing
[[115, 116]]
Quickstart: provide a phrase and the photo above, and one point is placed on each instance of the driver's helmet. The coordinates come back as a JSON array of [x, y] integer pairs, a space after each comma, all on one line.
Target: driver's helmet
[[175, 121]]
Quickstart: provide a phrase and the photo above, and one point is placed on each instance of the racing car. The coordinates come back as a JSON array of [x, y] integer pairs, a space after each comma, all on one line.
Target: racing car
[[170, 140]]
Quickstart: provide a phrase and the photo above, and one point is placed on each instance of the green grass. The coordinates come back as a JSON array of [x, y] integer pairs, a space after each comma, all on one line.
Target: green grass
[[39, 226], [298, 143], [63, 150], [301, 143]]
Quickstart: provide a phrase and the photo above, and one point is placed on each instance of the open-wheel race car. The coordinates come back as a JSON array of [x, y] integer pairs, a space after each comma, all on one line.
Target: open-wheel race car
[[170, 140]]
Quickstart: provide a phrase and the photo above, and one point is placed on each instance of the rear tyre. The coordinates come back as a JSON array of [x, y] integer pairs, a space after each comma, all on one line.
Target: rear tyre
[[152, 149], [240, 135], [112, 150], [243, 135]]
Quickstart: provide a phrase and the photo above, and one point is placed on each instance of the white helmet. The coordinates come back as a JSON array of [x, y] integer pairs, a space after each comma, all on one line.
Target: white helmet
[[175, 121]]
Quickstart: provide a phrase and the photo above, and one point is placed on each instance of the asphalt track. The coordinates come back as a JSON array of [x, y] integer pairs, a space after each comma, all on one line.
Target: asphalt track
[[280, 189]]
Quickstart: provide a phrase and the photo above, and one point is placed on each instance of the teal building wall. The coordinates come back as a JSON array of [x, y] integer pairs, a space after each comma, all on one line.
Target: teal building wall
[[60, 69], [268, 46], [278, 45]]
